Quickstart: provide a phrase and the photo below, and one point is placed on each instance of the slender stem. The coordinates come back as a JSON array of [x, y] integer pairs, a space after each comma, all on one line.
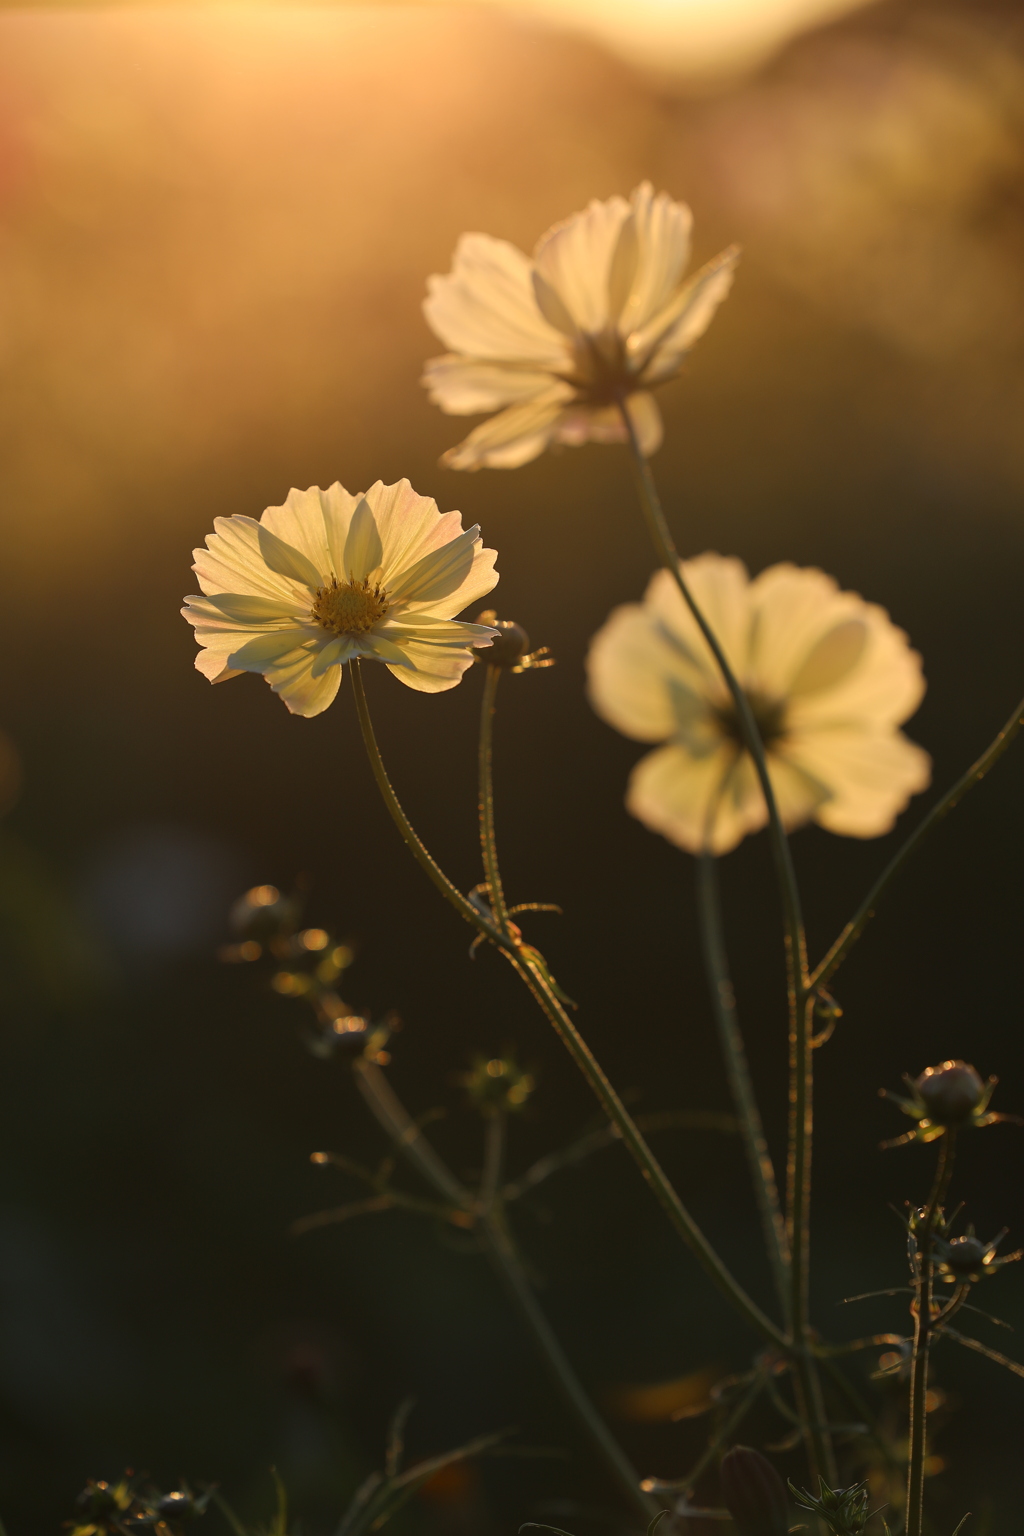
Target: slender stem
[[866, 911], [726, 1429], [426, 861], [530, 968], [488, 845], [798, 1165], [923, 1322], [723, 1002], [496, 1241]]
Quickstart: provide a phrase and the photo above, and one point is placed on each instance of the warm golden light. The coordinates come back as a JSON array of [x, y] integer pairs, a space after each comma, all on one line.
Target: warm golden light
[[692, 37]]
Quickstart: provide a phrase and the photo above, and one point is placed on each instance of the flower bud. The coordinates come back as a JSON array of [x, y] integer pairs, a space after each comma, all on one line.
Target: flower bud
[[177, 1506], [950, 1092], [754, 1493], [510, 644], [97, 1499]]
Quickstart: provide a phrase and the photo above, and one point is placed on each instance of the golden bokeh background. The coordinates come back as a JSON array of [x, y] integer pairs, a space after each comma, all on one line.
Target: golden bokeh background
[[215, 227]]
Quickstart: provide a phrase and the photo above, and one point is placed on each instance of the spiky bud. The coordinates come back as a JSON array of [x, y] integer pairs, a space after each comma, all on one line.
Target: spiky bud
[[177, 1506], [754, 1493], [951, 1092], [509, 646]]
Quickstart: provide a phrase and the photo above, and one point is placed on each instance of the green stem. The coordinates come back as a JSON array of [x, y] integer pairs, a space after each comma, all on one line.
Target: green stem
[[923, 1322], [723, 1002], [488, 845], [496, 1242], [866, 911], [798, 1163], [528, 966]]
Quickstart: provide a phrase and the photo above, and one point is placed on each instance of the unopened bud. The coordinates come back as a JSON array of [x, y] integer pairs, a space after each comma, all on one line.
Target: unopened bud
[[950, 1092], [754, 1493], [509, 646], [177, 1506]]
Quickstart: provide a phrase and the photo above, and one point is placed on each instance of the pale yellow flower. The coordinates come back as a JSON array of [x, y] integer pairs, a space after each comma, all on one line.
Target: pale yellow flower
[[829, 677], [550, 344], [329, 577]]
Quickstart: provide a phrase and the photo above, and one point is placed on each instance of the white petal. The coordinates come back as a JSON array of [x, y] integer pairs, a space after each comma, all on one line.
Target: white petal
[[241, 608], [485, 307], [513, 437], [303, 693], [721, 588], [662, 236], [666, 339], [264, 651], [439, 573], [430, 668], [462, 386], [675, 794], [628, 669], [334, 654], [436, 631], [214, 666], [379, 648], [575, 258], [870, 776], [288, 561], [232, 562], [364, 551], [300, 523]]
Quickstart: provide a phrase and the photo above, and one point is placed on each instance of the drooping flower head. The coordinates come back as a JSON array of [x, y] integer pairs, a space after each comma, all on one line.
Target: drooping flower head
[[329, 577], [829, 678], [601, 312]]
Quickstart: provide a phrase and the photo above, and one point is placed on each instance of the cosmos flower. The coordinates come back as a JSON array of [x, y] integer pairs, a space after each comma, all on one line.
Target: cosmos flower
[[829, 679], [601, 312], [329, 577]]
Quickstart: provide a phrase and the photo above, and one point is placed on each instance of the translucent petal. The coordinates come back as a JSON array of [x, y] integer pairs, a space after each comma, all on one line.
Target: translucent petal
[[364, 551], [575, 259], [485, 307], [288, 561], [462, 386]]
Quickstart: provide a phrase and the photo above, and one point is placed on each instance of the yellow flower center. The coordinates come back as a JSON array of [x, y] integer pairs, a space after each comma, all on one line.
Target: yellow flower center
[[349, 607]]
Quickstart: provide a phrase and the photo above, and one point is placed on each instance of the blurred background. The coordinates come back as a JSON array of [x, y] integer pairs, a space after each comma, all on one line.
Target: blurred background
[[215, 227]]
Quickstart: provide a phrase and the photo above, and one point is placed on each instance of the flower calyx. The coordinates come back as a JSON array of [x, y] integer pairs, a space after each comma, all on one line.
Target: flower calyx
[[966, 1259], [753, 1493], [510, 648], [843, 1510], [945, 1098]]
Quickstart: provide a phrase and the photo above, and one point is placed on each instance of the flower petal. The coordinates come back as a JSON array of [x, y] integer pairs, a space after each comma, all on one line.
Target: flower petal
[[302, 693], [364, 551], [662, 239], [513, 437], [464, 386], [264, 651], [288, 561], [575, 259], [870, 776], [304, 523], [696, 802], [665, 340], [334, 654], [242, 608], [485, 307], [439, 573], [628, 668], [232, 562], [431, 668]]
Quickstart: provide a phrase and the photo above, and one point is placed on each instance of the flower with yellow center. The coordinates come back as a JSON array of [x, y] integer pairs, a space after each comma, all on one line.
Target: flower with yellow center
[[829, 677], [330, 577], [601, 314]]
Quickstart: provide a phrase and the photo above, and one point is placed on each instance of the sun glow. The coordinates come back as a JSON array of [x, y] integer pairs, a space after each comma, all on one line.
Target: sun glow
[[696, 37]]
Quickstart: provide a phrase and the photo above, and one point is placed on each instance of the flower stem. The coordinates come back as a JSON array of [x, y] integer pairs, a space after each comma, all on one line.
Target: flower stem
[[497, 1243], [723, 1002], [531, 969], [488, 845], [798, 1163], [866, 911], [923, 1321]]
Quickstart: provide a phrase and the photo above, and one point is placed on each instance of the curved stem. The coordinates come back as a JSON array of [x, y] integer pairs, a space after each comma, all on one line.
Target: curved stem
[[488, 845], [723, 1002], [923, 1324], [866, 911], [798, 1164], [530, 968]]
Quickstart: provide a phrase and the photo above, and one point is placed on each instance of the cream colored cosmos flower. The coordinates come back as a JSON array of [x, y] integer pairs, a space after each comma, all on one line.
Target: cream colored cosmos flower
[[829, 676], [329, 577], [551, 343]]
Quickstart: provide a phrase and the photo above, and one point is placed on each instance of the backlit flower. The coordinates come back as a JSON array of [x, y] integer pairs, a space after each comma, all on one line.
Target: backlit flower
[[600, 313], [829, 679], [330, 577]]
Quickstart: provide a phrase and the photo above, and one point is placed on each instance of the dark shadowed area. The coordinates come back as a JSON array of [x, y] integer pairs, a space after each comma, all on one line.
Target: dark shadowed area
[[215, 229]]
